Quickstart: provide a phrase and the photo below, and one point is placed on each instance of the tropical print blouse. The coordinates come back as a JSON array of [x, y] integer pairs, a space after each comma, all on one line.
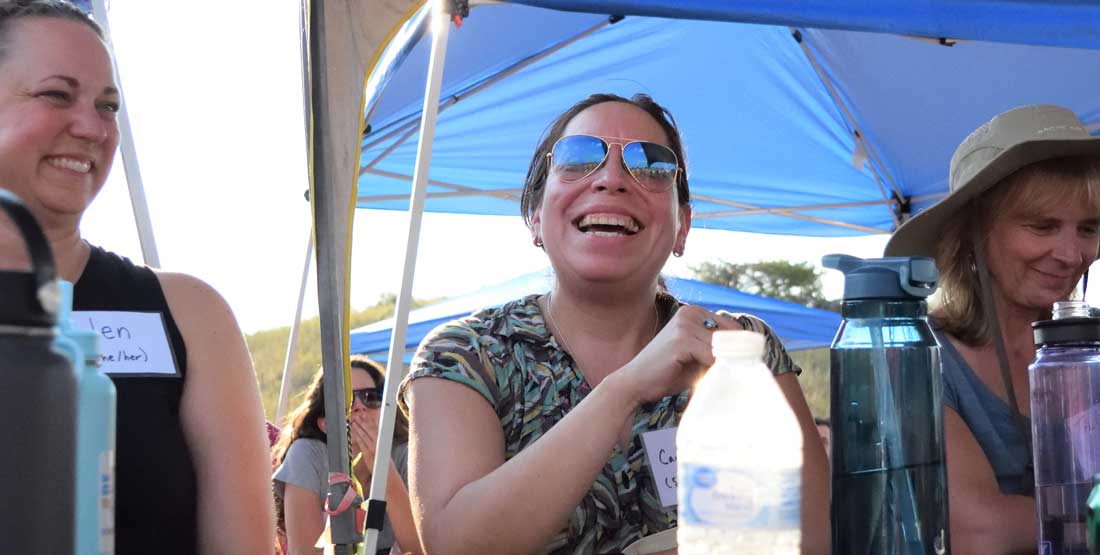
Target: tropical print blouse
[[507, 355]]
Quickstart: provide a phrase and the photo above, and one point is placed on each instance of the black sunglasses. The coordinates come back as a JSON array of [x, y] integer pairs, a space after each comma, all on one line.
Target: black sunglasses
[[371, 397]]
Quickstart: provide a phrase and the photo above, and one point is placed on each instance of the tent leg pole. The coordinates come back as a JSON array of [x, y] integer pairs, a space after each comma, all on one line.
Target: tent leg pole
[[292, 341], [394, 363], [129, 157]]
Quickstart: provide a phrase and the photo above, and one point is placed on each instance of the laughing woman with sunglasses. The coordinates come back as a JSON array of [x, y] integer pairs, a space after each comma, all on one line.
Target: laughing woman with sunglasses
[[526, 419], [301, 480]]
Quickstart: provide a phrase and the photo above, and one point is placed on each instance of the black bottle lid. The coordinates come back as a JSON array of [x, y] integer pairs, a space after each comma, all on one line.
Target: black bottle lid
[[1066, 331], [900, 278]]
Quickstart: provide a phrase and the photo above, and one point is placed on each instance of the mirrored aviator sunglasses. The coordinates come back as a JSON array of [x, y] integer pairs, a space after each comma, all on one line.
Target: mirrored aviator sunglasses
[[371, 397], [653, 166]]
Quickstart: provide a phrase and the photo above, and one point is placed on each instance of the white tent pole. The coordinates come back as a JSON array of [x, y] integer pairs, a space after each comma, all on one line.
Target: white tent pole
[[395, 365], [292, 342], [129, 155]]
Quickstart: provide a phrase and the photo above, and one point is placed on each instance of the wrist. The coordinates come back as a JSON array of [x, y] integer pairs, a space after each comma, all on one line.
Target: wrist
[[620, 390]]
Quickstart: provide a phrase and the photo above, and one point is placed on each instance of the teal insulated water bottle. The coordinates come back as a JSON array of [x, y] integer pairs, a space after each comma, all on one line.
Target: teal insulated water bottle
[[95, 442], [889, 480]]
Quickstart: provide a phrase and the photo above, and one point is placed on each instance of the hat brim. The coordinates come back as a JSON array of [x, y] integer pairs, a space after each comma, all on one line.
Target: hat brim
[[921, 234]]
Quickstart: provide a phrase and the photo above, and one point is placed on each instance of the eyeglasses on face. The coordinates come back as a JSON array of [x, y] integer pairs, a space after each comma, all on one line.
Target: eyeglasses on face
[[653, 166], [371, 397]]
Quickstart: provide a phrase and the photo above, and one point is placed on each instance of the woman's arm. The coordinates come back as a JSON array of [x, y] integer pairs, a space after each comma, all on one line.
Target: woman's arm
[[399, 510], [364, 432], [982, 519], [469, 500], [222, 419], [815, 471], [304, 520]]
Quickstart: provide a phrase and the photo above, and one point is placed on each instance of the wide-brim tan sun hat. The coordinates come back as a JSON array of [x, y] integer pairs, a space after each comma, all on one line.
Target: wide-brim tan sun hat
[[1008, 142]]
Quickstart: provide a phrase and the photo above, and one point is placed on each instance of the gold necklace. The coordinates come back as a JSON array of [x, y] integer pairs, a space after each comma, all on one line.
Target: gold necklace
[[560, 336]]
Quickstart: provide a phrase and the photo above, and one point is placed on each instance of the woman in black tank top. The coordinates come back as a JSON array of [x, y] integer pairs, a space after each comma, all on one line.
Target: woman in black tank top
[[192, 460]]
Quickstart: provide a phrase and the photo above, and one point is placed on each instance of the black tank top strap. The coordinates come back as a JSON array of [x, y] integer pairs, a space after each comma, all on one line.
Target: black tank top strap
[[113, 282]]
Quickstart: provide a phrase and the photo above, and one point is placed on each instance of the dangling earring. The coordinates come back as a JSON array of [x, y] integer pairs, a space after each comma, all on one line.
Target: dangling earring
[[537, 241]]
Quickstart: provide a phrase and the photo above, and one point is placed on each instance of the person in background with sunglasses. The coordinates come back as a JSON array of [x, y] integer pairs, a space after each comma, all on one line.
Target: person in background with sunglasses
[[301, 480], [526, 419]]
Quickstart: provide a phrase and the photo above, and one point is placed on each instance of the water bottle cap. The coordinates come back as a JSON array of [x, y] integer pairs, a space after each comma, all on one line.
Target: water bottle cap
[[1070, 309], [64, 304], [902, 277], [1065, 331], [88, 341], [20, 302], [741, 342], [29, 298]]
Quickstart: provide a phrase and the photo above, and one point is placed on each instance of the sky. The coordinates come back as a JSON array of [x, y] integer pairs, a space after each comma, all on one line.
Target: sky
[[214, 94]]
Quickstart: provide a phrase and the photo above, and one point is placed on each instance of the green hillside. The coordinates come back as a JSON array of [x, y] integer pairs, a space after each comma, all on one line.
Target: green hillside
[[268, 350], [814, 379]]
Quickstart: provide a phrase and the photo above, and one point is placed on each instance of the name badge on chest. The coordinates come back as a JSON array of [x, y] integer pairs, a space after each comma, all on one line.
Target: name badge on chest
[[131, 344], [660, 453]]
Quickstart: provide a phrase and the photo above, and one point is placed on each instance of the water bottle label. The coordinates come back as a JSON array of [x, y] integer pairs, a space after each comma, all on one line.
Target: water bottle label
[[107, 502], [718, 497]]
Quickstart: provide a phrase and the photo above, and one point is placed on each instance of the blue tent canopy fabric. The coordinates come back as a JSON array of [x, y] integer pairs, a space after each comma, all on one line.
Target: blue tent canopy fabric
[[1050, 22], [798, 326], [805, 131]]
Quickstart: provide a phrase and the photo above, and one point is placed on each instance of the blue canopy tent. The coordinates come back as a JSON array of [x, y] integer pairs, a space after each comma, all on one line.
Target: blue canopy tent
[[799, 118], [788, 130], [798, 327]]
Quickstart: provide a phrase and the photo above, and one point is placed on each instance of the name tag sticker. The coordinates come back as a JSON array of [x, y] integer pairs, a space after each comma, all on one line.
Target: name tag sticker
[[131, 344], [660, 451]]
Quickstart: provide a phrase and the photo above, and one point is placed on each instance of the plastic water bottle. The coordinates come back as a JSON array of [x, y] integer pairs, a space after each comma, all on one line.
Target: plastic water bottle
[[889, 480], [1065, 425], [739, 457], [95, 442]]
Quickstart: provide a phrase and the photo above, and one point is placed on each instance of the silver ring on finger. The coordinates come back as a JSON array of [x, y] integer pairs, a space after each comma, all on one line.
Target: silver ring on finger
[[710, 324]]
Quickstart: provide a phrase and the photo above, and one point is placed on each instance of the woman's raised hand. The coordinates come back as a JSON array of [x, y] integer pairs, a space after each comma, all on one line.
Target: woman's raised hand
[[677, 356], [364, 436]]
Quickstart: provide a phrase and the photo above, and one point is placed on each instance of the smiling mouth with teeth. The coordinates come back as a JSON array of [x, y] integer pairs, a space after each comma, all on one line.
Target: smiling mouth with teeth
[[608, 225], [80, 166]]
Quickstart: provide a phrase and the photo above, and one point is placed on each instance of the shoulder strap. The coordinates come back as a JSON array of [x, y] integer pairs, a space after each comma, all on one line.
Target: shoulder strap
[[990, 307]]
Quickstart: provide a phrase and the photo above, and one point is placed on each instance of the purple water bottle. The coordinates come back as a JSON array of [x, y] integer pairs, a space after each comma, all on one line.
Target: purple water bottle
[[1065, 425]]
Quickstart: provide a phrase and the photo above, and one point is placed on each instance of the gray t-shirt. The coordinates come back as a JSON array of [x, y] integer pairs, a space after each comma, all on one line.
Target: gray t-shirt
[[990, 419], [306, 466]]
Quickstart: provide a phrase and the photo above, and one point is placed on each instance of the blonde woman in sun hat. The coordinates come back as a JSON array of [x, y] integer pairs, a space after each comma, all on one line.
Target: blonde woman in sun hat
[[1016, 232]]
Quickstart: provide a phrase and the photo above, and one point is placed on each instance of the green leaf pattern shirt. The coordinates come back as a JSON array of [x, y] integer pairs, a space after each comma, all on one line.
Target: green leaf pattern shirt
[[507, 355]]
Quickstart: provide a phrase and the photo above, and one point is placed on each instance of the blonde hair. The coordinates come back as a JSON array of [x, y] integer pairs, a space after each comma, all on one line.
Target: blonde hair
[[1040, 187]]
